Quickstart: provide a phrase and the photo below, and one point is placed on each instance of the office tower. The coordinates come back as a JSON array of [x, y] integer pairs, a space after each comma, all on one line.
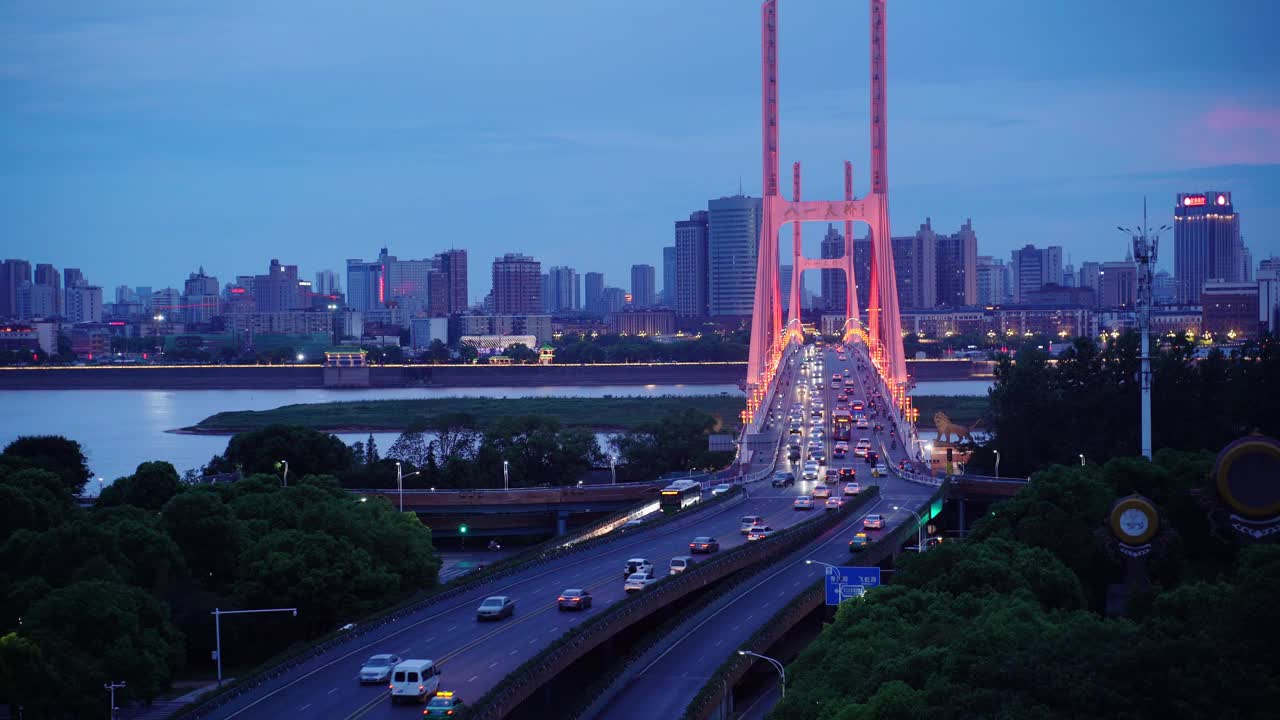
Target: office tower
[[1069, 276], [125, 295], [84, 304], [834, 283], [1118, 285], [1090, 276], [784, 286], [47, 274], [1163, 289], [594, 296], [36, 301], [992, 280], [1206, 243], [613, 299], [1268, 281], [279, 289], [957, 267], [564, 289], [1246, 262], [12, 274], [408, 283], [915, 260], [1033, 268], [1271, 263], [167, 302], [642, 286], [668, 296], [72, 277], [453, 263], [862, 272], [517, 285], [144, 295], [365, 285], [547, 300], [200, 299], [733, 239], [691, 265], [327, 283]]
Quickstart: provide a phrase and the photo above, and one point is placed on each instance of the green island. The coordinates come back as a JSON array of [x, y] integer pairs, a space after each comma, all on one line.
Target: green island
[[600, 413]]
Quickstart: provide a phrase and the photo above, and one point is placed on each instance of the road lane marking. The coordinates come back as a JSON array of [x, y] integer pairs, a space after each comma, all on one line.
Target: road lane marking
[[493, 665], [513, 652], [473, 678], [333, 691], [304, 707]]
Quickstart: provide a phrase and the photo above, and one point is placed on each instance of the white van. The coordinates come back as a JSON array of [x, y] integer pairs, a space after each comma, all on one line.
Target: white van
[[680, 563], [414, 679], [749, 523]]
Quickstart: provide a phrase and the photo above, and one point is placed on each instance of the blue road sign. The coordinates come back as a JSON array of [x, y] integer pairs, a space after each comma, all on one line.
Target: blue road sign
[[850, 582]]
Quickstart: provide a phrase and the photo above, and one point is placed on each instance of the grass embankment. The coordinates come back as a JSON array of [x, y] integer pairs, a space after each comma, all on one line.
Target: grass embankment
[[963, 409], [616, 413]]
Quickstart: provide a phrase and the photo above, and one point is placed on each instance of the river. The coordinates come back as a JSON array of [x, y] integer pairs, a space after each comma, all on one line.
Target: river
[[119, 429]]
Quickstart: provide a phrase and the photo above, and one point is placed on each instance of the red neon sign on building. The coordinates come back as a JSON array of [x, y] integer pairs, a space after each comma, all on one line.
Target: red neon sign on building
[[1193, 200]]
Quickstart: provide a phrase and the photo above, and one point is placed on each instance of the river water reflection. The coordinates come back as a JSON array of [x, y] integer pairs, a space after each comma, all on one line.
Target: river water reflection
[[119, 429]]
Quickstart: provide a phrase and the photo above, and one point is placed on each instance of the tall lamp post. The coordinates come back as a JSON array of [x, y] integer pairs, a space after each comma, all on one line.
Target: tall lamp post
[[919, 527], [400, 482], [777, 665], [111, 687], [613, 469], [286, 472], [217, 629], [997, 464], [1145, 244], [506, 475], [1081, 459]]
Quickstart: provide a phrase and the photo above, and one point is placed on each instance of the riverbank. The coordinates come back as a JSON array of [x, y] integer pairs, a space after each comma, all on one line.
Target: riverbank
[[595, 413]]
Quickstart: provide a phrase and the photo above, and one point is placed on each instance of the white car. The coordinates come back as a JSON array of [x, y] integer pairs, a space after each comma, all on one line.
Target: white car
[[810, 471], [880, 470], [821, 492], [639, 581], [852, 488], [760, 533], [721, 489], [377, 669], [804, 502], [637, 565], [861, 424], [834, 502]]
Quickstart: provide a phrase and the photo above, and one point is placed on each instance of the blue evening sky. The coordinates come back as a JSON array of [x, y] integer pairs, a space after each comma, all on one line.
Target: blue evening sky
[[140, 139]]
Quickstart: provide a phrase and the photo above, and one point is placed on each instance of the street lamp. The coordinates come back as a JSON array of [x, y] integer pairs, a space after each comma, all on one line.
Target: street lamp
[[997, 464], [286, 472], [919, 527], [781, 672], [400, 482], [1081, 459], [613, 468], [217, 629], [506, 475], [111, 688], [819, 562]]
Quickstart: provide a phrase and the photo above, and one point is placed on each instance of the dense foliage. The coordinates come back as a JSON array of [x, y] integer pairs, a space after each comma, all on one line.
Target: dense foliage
[[675, 444], [123, 591], [1009, 624], [1087, 402]]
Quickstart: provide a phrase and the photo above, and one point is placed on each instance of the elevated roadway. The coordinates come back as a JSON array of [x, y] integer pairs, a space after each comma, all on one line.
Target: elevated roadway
[[474, 656], [681, 665]]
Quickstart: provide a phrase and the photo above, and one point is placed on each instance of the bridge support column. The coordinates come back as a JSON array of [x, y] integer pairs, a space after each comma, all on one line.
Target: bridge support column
[[562, 518], [960, 511]]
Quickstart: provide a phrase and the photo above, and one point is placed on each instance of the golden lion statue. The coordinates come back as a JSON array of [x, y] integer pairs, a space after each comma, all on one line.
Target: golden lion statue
[[946, 428]]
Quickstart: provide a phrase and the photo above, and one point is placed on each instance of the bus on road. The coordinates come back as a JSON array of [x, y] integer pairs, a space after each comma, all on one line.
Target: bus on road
[[679, 495], [841, 425]]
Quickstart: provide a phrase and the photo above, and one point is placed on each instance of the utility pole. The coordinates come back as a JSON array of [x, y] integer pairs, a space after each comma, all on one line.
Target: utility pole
[[1145, 245], [111, 687]]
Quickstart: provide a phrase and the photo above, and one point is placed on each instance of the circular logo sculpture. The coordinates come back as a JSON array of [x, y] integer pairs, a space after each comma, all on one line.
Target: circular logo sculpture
[[1246, 478], [1134, 520]]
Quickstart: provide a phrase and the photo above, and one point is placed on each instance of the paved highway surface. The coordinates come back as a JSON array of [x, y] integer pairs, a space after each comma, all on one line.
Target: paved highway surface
[[682, 665], [474, 656]]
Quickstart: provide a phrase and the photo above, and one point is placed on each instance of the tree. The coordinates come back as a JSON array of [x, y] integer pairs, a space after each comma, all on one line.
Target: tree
[[150, 487], [437, 351], [308, 451], [54, 453], [521, 353], [539, 451], [678, 442], [26, 677], [412, 445], [370, 450], [95, 632], [208, 533], [32, 499]]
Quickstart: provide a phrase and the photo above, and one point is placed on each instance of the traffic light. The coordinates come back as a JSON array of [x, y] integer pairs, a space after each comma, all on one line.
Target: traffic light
[[462, 529]]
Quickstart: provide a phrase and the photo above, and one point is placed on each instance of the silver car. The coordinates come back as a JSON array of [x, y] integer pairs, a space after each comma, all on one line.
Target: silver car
[[377, 669]]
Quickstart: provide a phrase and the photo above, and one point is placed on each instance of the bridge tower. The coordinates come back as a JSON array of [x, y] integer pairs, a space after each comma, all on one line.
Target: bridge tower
[[768, 336]]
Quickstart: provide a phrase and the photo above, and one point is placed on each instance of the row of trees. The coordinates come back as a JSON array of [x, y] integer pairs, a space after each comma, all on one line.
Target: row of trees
[[1007, 624], [123, 591], [1087, 401], [452, 450], [710, 347]]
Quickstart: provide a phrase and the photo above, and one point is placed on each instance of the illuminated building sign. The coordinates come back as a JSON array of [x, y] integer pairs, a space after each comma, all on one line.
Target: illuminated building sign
[[1222, 199], [1196, 201]]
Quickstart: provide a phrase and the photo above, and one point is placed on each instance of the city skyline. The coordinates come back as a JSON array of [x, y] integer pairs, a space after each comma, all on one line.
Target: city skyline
[[209, 141]]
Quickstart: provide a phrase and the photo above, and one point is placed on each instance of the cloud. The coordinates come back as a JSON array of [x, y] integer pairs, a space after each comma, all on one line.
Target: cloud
[[1235, 133]]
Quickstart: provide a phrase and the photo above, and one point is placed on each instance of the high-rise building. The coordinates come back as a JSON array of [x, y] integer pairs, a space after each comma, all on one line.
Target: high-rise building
[[593, 299], [1033, 268], [1090, 276], [957, 267], [167, 302], [47, 274], [12, 274], [564, 289], [365, 284], [453, 263], [84, 304], [1118, 285], [72, 277], [993, 280], [408, 283], [1206, 243], [862, 272], [613, 299], [547, 300], [1230, 307], [200, 298], [691, 265], [1246, 262], [278, 290], [517, 285], [915, 265], [327, 283], [1163, 289], [834, 283], [1069, 277], [642, 286], [668, 296], [784, 286], [1268, 281], [1271, 263], [733, 240], [36, 301]]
